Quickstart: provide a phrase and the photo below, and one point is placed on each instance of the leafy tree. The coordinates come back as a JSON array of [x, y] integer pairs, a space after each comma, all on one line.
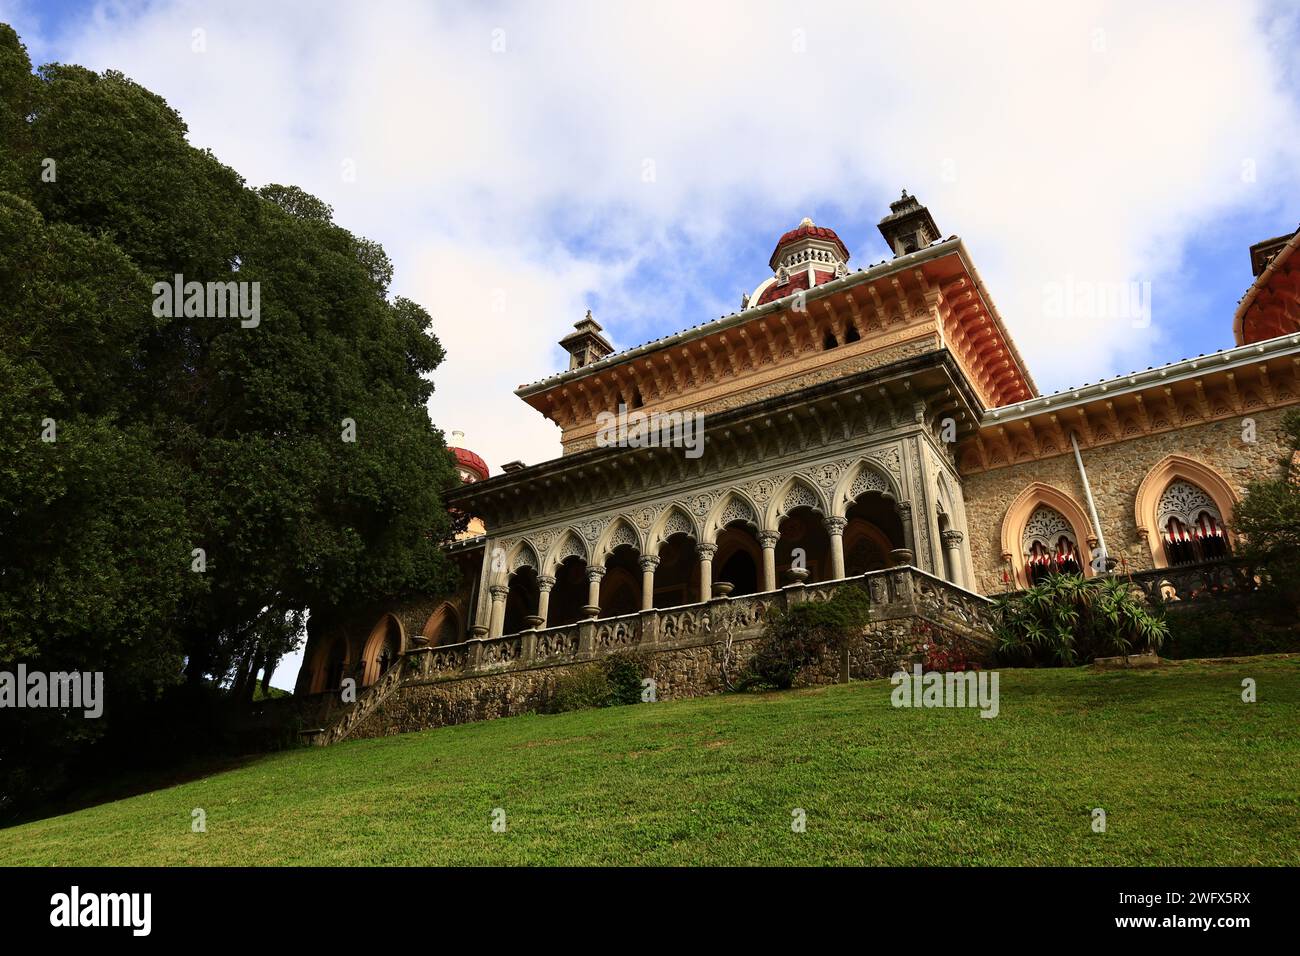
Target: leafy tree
[[1269, 518], [1066, 619], [210, 482]]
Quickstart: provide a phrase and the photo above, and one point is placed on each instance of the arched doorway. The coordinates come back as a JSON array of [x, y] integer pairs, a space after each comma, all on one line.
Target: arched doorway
[[569, 595], [677, 578], [521, 602], [383, 648], [804, 529], [872, 529], [739, 559], [443, 626], [620, 588], [331, 666]]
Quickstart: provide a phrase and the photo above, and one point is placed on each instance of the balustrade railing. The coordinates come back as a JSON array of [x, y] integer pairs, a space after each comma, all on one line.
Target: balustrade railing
[[1225, 577], [894, 592]]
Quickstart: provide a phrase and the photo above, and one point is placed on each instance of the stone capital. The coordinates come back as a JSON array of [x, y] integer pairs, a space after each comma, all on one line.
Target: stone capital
[[952, 538], [499, 591], [649, 562], [904, 509], [595, 572], [835, 525], [545, 582], [768, 539], [706, 551]]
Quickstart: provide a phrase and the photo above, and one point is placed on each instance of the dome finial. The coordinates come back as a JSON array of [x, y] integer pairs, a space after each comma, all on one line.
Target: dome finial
[[805, 221]]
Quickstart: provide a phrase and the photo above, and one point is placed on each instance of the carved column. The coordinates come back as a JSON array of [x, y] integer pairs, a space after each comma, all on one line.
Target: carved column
[[706, 553], [768, 540], [498, 619], [594, 574], [952, 544], [545, 582], [905, 517], [648, 564], [835, 527]]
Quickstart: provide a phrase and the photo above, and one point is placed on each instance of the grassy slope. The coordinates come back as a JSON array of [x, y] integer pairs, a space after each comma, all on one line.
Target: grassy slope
[[1187, 774]]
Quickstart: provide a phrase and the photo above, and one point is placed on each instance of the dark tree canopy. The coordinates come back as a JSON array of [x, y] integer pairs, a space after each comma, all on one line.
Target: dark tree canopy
[[174, 433]]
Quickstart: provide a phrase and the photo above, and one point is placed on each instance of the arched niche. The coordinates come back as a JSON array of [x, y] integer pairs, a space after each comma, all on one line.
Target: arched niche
[[1017, 518], [383, 648], [1171, 469]]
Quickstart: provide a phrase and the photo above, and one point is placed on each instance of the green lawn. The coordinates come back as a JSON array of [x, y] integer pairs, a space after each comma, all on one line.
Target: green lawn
[[1186, 772]]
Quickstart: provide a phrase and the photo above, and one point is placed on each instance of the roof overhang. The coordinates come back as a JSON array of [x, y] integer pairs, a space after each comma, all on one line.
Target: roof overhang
[[1279, 264], [881, 270]]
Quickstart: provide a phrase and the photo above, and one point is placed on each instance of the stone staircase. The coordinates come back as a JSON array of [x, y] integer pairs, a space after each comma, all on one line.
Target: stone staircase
[[366, 704]]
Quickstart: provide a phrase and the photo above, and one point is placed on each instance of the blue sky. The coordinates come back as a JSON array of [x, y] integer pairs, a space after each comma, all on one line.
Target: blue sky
[[524, 162]]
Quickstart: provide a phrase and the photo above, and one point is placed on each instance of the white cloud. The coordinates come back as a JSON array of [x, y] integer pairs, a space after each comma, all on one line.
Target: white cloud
[[1085, 144]]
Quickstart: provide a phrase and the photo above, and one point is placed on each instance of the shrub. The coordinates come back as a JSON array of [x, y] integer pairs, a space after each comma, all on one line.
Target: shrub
[[624, 672], [580, 689], [609, 682], [1066, 619], [802, 635], [1230, 630], [943, 650]]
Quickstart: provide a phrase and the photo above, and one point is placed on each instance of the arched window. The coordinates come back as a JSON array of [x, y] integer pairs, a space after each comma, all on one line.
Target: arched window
[[1191, 526], [1049, 545]]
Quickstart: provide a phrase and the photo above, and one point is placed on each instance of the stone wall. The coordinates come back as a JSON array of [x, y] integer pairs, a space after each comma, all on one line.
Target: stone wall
[[1115, 472], [684, 650]]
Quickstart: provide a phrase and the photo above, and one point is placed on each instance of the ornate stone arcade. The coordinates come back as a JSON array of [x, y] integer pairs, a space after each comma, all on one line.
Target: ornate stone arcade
[[819, 484]]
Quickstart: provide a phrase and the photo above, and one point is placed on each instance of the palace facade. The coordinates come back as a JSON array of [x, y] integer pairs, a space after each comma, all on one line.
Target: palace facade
[[854, 420]]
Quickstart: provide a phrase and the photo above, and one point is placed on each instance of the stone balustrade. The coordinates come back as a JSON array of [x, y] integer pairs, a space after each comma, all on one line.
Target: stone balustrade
[[1206, 580], [690, 650], [897, 592]]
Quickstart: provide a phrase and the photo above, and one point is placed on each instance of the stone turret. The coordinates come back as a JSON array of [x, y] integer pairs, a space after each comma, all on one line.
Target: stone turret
[[585, 344], [909, 226]]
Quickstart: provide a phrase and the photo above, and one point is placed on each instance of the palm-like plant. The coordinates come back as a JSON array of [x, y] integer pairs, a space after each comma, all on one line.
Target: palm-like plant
[[1066, 619]]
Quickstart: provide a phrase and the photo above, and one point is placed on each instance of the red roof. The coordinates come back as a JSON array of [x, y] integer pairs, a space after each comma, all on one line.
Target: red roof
[[468, 460], [802, 231], [798, 283]]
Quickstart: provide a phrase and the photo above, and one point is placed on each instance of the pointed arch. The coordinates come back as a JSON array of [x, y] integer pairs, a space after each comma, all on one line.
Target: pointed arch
[[375, 654], [1018, 514], [1169, 469], [944, 497], [444, 625], [674, 520], [735, 505], [524, 555], [795, 492], [569, 545], [862, 476], [617, 533]]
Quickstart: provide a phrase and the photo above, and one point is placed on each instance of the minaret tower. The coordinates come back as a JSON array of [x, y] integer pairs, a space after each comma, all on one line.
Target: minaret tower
[[909, 227]]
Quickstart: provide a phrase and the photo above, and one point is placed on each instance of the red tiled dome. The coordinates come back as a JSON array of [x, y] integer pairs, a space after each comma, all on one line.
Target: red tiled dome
[[803, 230], [471, 462], [798, 283]]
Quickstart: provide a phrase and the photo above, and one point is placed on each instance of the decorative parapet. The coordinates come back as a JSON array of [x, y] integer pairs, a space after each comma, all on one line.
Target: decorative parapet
[[895, 593], [1197, 582], [491, 677]]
